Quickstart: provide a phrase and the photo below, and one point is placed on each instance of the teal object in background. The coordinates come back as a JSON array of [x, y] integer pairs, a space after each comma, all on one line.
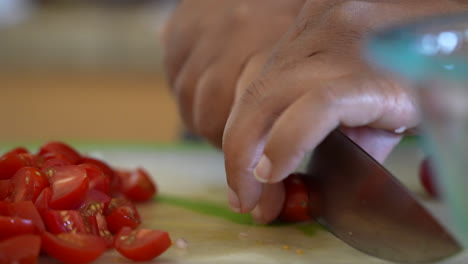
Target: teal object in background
[[432, 54]]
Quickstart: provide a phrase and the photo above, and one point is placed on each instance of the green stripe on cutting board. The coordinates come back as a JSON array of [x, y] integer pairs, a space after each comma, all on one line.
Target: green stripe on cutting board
[[222, 211]]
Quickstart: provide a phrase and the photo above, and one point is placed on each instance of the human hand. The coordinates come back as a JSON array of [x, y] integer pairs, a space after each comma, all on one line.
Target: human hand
[[316, 81], [207, 45]]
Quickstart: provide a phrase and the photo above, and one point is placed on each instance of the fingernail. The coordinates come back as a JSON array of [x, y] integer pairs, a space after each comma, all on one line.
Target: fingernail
[[233, 201], [263, 170]]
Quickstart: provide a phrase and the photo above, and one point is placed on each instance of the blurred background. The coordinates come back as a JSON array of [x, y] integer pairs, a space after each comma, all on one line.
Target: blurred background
[[87, 71]]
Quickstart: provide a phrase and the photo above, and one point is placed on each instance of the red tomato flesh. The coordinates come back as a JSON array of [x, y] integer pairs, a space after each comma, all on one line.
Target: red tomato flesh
[[65, 221], [97, 179], [25, 210], [13, 226], [21, 249], [137, 184], [141, 244], [4, 188], [73, 247], [95, 202], [121, 213], [296, 204], [27, 184], [11, 162], [69, 187], [101, 164], [42, 201]]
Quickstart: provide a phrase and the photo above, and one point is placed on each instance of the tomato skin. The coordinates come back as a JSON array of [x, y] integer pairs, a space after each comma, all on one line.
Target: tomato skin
[[11, 162], [141, 244], [69, 186], [42, 201], [121, 213], [101, 164], [137, 184], [4, 189], [12, 226], [65, 221], [73, 248], [427, 178], [60, 149], [26, 185], [13, 249], [97, 179], [25, 210], [18, 150], [296, 204]]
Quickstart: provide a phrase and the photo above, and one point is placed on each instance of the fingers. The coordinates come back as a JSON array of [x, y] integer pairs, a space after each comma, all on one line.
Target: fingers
[[270, 204], [272, 133], [376, 103]]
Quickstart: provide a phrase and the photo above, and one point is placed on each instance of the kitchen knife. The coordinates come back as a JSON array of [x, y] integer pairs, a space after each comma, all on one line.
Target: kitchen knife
[[370, 210]]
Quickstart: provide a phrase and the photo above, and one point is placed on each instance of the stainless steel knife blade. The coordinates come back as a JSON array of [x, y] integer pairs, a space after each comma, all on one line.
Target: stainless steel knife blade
[[370, 210]]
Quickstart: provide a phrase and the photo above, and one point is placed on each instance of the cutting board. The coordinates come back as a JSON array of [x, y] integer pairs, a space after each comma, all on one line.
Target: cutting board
[[192, 206]]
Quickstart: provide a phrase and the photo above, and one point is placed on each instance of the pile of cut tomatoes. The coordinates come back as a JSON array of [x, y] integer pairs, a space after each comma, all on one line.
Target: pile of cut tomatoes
[[72, 207]]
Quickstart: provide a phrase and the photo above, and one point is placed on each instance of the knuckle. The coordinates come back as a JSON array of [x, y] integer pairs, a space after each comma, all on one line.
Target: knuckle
[[254, 93]]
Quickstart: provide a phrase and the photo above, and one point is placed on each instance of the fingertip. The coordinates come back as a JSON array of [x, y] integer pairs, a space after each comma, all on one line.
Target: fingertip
[[233, 200], [262, 171]]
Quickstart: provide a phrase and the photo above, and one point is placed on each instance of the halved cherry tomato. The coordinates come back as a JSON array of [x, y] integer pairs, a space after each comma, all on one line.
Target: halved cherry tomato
[[4, 188], [296, 203], [22, 249], [49, 165], [60, 149], [25, 210], [13, 226], [121, 213], [102, 230], [101, 164], [141, 244], [73, 247], [27, 184], [42, 201], [64, 221], [97, 179], [18, 150], [427, 178], [69, 187], [11, 162], [137, 184], [95, 202]]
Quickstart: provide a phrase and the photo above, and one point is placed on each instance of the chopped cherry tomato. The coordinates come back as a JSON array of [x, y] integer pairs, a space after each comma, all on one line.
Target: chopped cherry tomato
[[73, 247], [296, 203], [97, 179], [69, 187], [42, 201], [11, 162], [61, 150], [49, 165], [13, 226], [95, 202], [22, 249], [27, 184], [18, 150], [427, 177], [4, 188], [103, 231], [137, 184], [121, 213], [101, 164], [25, 210], [64, 221], [141, 244]]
